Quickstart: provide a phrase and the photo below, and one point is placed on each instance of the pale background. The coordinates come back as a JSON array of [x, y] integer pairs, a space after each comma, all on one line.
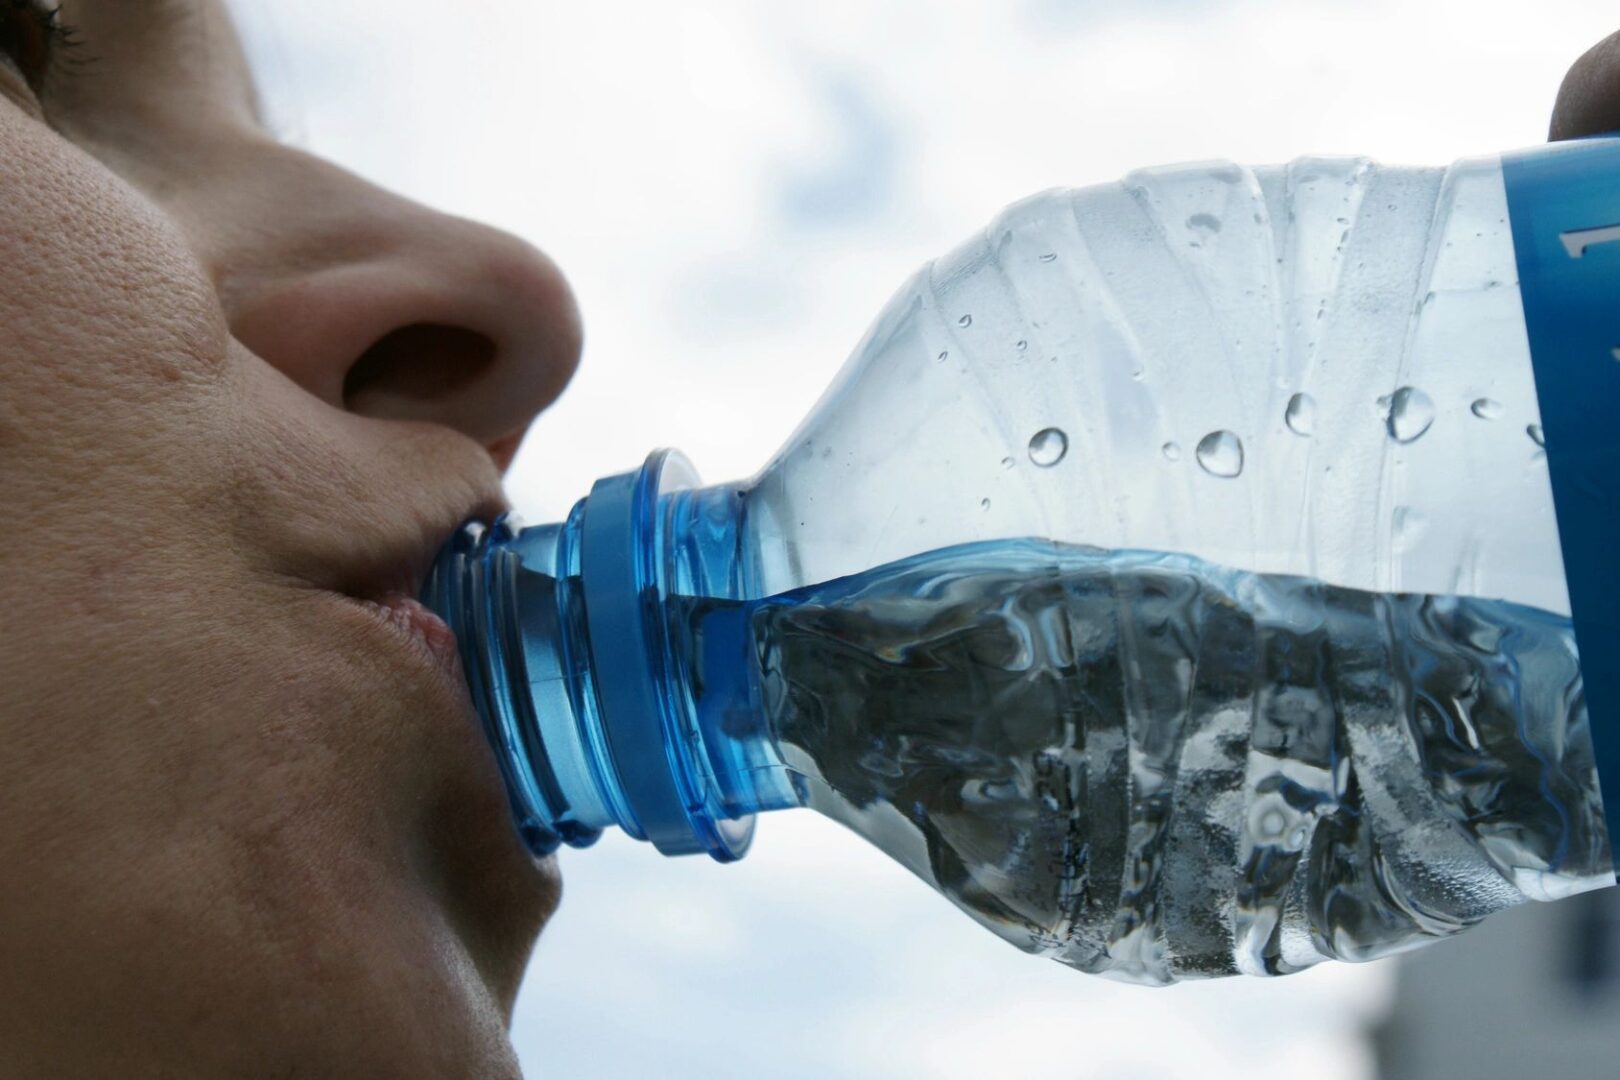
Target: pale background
[[734, 189]]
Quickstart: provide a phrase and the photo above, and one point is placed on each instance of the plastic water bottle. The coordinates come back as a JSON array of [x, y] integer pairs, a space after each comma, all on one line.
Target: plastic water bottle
[[1184, 576]]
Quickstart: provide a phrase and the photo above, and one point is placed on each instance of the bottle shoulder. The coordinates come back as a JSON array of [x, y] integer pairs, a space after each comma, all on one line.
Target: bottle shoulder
[[1221, 349]]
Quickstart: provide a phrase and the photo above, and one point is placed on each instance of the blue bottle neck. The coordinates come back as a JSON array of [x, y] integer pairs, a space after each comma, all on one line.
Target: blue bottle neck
[[610, 659]]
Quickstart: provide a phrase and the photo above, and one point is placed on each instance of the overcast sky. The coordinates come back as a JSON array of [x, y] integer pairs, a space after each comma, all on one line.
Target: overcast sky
[[734, 189]]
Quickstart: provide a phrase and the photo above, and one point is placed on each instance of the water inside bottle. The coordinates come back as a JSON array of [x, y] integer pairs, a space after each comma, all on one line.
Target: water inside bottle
[[1154, 768]]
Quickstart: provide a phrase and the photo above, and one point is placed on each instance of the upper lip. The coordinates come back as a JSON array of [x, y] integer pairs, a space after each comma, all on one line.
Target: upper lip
[[402, 566]]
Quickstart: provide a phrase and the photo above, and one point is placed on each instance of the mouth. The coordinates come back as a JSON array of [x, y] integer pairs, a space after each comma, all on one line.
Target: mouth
[[412, 619], [389, 585]]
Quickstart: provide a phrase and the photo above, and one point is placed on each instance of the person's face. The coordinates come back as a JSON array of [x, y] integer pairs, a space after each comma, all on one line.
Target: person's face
[[247, 822]]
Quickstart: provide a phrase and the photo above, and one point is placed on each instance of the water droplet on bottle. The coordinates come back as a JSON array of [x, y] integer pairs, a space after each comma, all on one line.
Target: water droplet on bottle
[[1220, 453], [1300, 416], [1534, 431], [881, 764], [944, 354], [1007, 463], [1050, 256], [1409, 524], [1171, 451], [1272, 824], [1047, 447], [1410, 414], [1486, 409], [966, 320], [984, 504], [1022, 345]]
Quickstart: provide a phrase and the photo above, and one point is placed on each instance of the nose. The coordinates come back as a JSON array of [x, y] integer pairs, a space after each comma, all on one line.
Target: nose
[[383, 307]]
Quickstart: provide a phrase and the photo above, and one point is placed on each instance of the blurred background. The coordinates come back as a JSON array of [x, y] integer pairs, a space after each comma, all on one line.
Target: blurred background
[[734, 189]]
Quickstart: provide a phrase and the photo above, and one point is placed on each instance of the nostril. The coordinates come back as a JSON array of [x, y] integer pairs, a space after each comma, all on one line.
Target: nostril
[[423, 362]]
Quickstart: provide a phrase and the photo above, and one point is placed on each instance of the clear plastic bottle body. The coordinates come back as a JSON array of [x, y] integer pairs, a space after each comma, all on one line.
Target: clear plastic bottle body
[[1316, 372]]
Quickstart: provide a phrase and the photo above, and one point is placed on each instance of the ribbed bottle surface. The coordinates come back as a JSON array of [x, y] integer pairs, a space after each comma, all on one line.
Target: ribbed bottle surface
[[1319, 369], [1310, 387]]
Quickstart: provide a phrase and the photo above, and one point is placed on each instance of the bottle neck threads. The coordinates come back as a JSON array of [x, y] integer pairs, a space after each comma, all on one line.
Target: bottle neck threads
[[580, 644]]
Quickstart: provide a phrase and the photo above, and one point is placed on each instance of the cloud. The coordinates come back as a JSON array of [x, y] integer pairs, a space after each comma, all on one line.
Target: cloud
[[856, 175]]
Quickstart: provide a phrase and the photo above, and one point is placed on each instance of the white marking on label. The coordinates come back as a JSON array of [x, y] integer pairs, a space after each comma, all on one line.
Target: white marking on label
[[1576, 241]]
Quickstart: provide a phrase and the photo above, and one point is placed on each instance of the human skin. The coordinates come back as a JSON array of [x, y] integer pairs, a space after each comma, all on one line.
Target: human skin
[[248, 826], [1589, 99]]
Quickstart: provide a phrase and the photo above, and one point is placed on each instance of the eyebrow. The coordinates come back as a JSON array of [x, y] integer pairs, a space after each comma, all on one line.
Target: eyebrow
[[196, 42]]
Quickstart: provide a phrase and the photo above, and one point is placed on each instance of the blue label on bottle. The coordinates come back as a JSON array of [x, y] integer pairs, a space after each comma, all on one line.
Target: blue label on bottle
[[1564, 204]]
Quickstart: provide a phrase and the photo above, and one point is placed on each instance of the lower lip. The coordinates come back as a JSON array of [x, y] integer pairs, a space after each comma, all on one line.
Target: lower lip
[[411, 617]]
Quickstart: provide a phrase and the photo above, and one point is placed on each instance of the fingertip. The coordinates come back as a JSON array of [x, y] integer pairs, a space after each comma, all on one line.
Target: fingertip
[[1589, 97]]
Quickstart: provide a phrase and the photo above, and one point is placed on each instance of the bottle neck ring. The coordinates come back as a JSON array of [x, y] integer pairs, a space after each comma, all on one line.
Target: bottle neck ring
[[585, 674]]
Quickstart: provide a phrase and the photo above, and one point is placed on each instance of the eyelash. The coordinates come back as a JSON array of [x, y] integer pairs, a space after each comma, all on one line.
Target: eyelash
[[35, 39]]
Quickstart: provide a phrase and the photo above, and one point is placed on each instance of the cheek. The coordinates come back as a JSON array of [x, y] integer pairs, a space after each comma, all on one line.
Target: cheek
[[259, 720], [105, 317]]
